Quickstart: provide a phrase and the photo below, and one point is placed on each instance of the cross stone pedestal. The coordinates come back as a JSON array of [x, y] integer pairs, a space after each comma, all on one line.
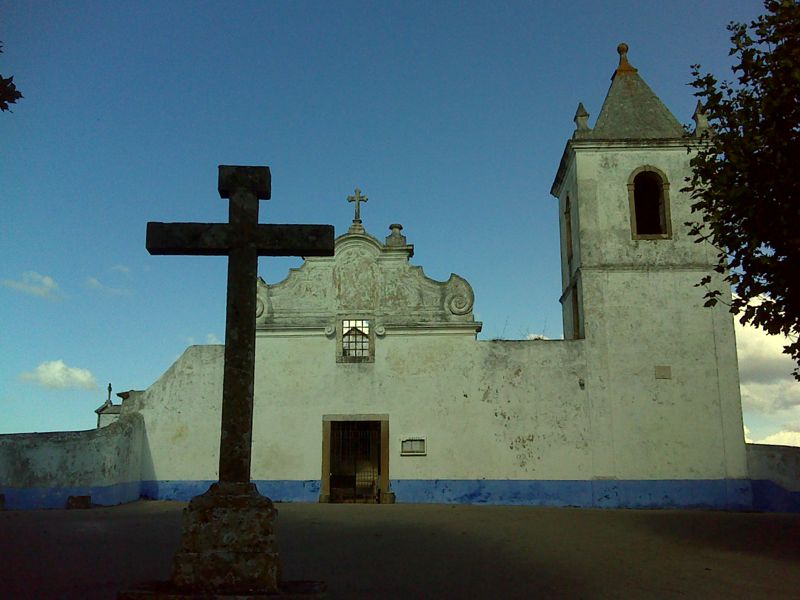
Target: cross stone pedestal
[[228, 551], [228, 542]]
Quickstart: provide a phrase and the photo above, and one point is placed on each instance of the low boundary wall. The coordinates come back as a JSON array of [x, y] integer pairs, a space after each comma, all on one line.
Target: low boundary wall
[[42, 470], [775, 476]]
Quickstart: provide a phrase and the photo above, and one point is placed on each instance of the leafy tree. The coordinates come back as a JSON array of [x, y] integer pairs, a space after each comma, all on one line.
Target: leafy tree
[[746, 173], [8, 90]]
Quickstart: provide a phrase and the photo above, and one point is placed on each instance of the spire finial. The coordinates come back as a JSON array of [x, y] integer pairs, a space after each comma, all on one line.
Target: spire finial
[[624, 65]]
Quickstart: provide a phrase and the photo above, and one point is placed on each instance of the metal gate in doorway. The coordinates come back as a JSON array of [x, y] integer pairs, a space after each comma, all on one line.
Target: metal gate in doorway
[[355, 461]]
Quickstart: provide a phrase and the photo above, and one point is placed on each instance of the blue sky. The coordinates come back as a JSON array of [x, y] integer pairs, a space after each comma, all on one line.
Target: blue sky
[[451, 116]]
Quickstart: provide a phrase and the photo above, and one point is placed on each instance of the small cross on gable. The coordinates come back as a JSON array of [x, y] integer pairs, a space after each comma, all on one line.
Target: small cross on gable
[[358, 199]]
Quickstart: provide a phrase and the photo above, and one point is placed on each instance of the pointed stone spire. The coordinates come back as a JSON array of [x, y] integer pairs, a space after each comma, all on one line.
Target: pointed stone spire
[[700, 120], [631, 110], [581, 122]]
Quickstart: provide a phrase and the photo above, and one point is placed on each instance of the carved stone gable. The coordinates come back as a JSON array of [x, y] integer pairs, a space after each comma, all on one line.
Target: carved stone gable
[[367, 279], [356, 278]]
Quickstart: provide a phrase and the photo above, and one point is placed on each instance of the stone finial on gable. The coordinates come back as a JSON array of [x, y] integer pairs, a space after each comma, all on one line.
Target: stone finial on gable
[[581, 122], [397, 241], [395, 238], [700, 120]]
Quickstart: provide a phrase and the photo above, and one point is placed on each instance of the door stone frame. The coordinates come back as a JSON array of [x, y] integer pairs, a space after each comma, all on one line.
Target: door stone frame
[[386, 496]]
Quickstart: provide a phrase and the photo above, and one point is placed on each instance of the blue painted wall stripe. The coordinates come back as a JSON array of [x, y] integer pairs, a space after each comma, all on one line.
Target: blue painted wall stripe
[[770, 497], [702, 493], [281, 490], [727, 494], [108, 495], [181, 490]]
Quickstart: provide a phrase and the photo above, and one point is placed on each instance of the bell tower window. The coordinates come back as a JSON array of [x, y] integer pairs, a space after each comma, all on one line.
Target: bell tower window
[[648, 193]]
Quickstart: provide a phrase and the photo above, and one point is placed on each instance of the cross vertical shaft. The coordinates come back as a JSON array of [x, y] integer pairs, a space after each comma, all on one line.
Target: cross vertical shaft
[[240, 341]]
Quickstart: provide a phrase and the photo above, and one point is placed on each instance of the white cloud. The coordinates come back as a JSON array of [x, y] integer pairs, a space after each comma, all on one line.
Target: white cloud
[[210, 339], [747, 437], [761, 357], [121, 269], [536, 336], [769, 391], [35, 284], [96, 284], [55, 374], [767, 384], [771, 397], [782, 438]]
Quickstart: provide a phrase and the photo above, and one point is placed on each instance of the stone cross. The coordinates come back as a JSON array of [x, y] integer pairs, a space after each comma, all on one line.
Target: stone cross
[[243, 240], [358, 199]]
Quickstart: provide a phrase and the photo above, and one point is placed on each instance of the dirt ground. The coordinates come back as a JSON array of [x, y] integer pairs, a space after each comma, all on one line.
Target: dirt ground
[[426, 551]]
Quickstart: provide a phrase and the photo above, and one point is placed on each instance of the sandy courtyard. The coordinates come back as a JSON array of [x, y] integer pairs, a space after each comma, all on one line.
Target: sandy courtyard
[[427, 551]]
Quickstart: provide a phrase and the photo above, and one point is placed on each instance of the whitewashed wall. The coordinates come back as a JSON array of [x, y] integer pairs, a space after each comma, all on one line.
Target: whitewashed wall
[[41, 470], [182, 412], [506, 421], [502, 410]]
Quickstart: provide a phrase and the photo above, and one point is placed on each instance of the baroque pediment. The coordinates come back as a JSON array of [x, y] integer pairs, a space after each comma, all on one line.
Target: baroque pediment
[[364, 277]]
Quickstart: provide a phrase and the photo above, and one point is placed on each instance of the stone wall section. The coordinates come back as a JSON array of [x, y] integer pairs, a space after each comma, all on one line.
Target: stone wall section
[[775, 473], [42, 470]]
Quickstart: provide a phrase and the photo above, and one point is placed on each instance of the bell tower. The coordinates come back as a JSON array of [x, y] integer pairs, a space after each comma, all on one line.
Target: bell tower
[[662, 374]]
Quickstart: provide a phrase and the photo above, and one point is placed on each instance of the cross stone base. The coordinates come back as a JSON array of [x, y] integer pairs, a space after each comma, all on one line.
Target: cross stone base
[[164, 590], [227, 551], [228, 542]]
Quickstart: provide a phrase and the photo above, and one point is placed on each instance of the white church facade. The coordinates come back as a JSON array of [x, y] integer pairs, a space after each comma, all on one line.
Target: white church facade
[[371, 384]]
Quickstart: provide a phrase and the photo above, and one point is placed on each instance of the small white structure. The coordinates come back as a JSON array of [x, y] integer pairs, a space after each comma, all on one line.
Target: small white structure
[[371, 385]]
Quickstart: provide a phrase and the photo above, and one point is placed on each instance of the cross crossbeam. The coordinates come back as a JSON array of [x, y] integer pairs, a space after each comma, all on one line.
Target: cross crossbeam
[[216, 239], [243, 240]]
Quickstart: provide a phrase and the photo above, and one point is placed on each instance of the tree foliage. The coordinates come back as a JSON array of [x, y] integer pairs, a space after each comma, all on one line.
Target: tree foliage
[[8, 90], [745, 184]]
